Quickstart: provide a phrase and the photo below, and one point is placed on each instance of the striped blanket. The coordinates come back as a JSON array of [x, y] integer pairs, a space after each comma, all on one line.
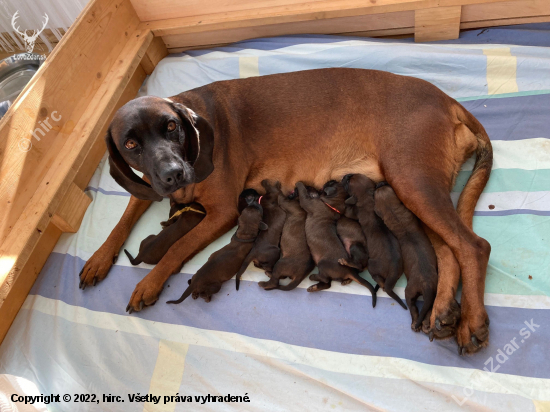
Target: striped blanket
[[260, 350]]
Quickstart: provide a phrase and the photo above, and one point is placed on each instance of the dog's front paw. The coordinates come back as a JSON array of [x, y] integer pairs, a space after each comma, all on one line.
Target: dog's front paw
[[444, 319], [97, 267], [473, 332], [146, 293]]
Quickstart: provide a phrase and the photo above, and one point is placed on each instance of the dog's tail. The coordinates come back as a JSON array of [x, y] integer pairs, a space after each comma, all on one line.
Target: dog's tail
[[133, 261], [429, 298], [481, 171], [185, 295], [365, 283], [245, 264]]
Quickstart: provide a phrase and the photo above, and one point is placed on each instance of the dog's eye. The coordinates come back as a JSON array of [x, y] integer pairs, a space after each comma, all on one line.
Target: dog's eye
[[130, 144], [171, 126]]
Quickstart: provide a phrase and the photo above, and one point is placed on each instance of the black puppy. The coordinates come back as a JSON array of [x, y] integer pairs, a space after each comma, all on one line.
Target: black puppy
[[265, 252], [324, 244], [182, 219], [385, 262], [349, 231], [419, 258], [222, 265], [296, 261]]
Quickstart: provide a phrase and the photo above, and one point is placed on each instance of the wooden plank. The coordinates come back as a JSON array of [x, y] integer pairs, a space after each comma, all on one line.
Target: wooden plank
[[505, 10], [61, 89], [439, 23], [503, 22], [155, 53], [373, 22], [36, 216], [70, 212], [23, 284], [98, 147], [278, 14]]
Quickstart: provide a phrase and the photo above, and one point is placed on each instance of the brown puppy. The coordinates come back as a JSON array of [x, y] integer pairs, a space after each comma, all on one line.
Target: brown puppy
[[265, 252], [296, 261], [154, 247], [385, 263], [222, 265], [349, 231], [324, 244], [419, 260]]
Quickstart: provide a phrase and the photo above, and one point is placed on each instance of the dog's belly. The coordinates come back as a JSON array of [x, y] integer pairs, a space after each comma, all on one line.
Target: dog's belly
[[315, 172]]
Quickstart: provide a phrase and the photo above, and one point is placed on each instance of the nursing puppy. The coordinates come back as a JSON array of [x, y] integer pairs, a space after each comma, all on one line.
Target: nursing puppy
[[349, 231], [296, 261], [324, 244], [182, 219], [420, 262], [222, 265], [385, 263], [265, 252]]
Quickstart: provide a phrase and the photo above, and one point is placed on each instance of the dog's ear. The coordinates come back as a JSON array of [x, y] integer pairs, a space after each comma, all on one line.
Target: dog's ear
[[125, 176], [199, 142], [330, 190], [263, 225], [351, 200]]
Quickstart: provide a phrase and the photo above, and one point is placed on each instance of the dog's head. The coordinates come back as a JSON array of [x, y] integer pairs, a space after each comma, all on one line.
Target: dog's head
[[334, 194], [165, 140], [358, 187]]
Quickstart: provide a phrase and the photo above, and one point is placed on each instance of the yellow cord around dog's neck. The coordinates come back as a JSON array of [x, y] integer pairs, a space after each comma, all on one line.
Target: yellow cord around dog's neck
[[186, 209]]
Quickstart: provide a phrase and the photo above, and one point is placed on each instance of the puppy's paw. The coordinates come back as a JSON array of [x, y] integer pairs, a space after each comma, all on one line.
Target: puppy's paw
[[345, 262], [346, 282], [269, 285]]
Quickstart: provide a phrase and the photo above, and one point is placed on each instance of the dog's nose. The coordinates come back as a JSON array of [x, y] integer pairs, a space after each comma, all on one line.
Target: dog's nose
[[171, 174]]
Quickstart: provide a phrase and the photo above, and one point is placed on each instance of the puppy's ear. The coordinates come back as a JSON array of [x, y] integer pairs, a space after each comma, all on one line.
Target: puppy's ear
[[199, 142], [263, 225], [330, 190], [125, 176], [351, 200]]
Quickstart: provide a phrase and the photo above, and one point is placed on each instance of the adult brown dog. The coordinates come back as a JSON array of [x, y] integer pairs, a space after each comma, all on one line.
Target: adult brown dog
[[313, 126]]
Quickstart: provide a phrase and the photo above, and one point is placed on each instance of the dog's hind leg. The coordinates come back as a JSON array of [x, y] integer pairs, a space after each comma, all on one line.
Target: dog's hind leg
[[445, 314]]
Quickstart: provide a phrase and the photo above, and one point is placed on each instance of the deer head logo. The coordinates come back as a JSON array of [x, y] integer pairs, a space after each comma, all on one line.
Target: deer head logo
[[29, 40]]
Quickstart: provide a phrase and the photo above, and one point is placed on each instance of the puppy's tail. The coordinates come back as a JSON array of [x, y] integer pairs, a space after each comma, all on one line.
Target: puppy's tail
[[481, 171], [184, 296], [365, 283], [429, 298], [133, 261], [245, 264]]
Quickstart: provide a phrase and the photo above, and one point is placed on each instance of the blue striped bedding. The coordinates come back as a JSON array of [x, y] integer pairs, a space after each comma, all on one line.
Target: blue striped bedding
[[328, 350]]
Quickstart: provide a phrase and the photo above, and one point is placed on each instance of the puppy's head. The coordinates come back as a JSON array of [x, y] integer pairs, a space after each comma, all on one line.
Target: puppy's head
[[165, 140], [312, 192], [385, 200], [250, 220], [334, 194], [247, 198], [357, 186]]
